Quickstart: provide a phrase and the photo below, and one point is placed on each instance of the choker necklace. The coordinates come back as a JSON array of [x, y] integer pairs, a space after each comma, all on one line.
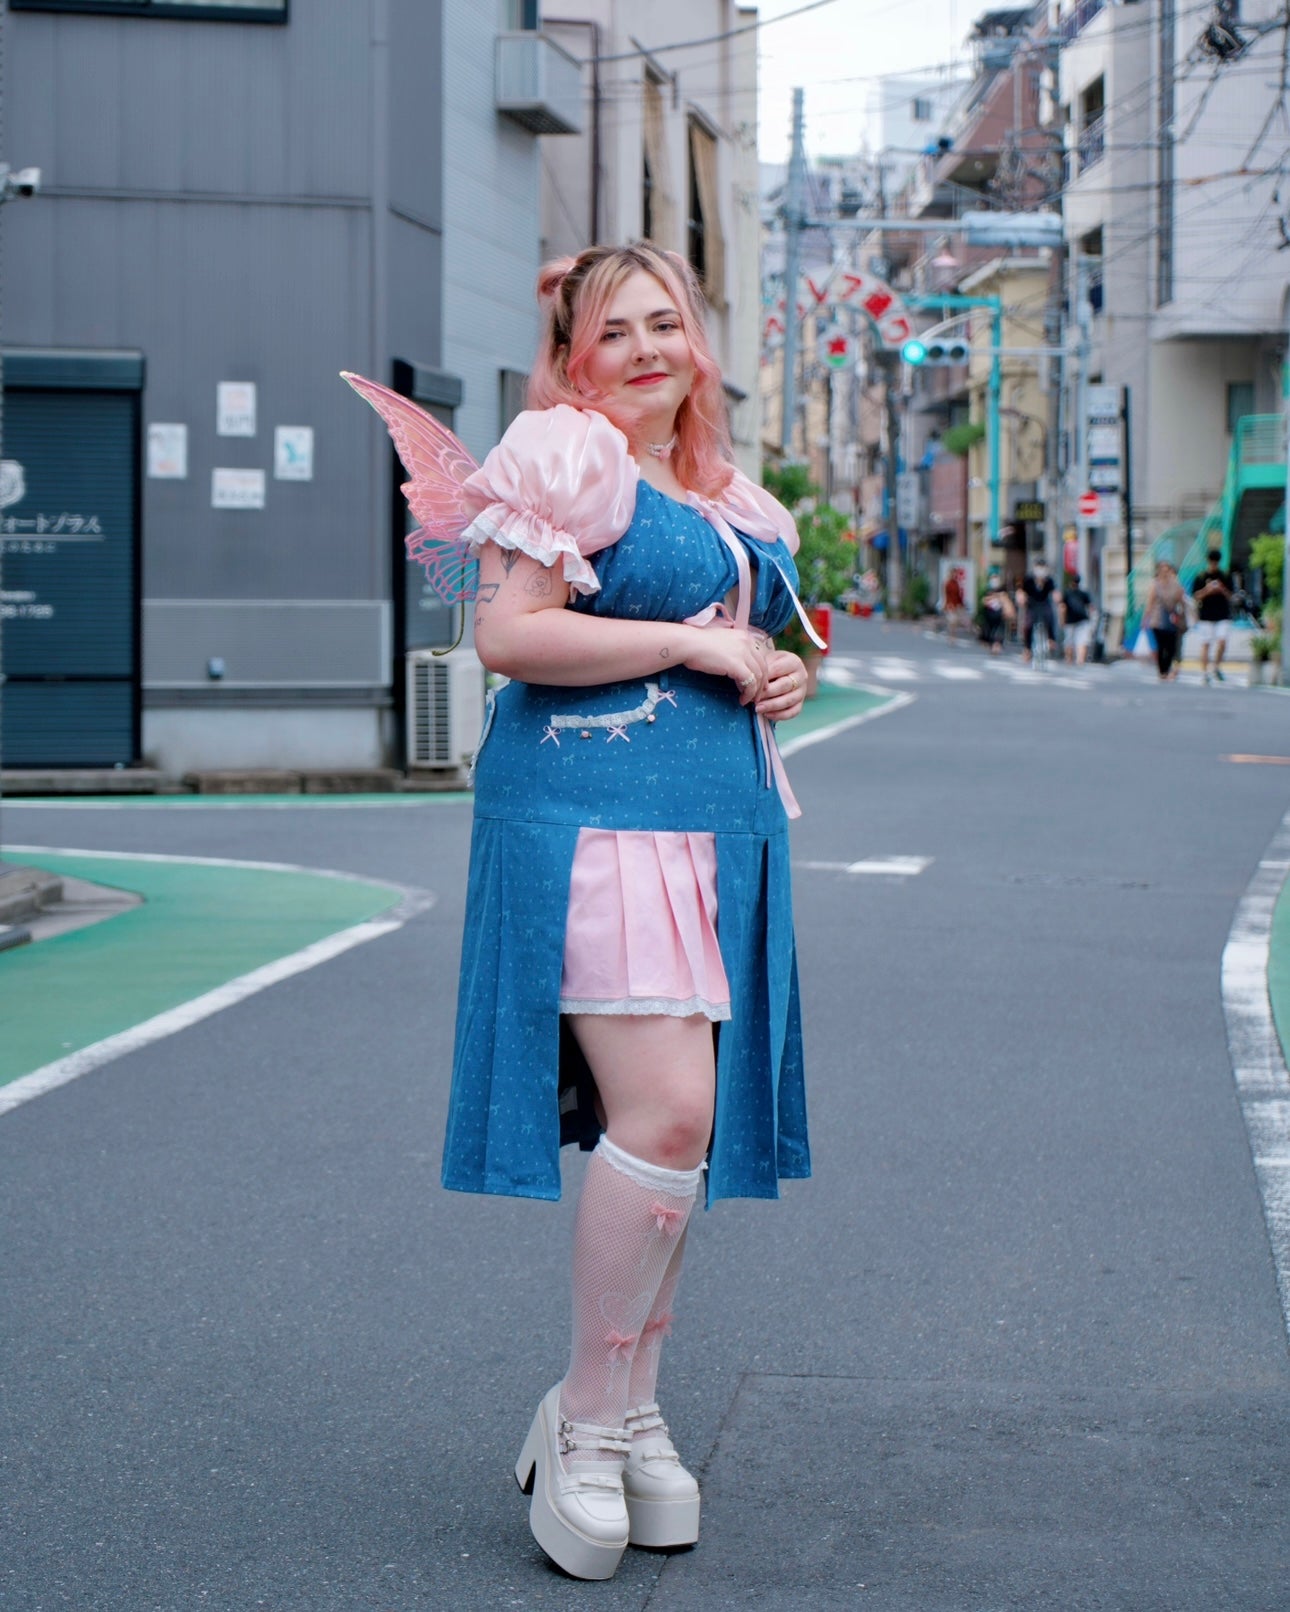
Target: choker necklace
[[662, 450]]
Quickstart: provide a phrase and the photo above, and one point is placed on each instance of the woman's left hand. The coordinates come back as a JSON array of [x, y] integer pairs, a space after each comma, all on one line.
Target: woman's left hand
[[785, 689]]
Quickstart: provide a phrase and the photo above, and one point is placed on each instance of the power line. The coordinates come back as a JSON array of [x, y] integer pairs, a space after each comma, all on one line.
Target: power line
[[641, 53]]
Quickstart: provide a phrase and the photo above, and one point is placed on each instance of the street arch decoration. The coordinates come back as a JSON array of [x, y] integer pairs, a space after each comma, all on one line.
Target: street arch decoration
[[847, 288]]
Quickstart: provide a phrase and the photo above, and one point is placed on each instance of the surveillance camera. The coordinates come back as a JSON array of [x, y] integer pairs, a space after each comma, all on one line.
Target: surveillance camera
[[26, 182]]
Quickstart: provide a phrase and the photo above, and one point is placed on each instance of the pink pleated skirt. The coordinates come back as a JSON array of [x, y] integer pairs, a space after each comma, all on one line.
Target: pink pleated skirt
[[641, 934]]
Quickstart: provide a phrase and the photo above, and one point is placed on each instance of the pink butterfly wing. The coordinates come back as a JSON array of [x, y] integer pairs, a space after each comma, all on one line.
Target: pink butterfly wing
[[437, 464]]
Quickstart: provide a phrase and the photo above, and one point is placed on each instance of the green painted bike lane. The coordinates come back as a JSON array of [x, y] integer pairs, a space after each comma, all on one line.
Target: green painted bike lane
[[198, 926]]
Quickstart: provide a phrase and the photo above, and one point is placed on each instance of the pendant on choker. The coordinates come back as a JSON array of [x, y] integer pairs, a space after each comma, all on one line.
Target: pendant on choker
[[662, 450]]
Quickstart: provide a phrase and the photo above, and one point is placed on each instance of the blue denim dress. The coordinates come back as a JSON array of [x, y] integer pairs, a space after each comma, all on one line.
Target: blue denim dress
[[674, 753]]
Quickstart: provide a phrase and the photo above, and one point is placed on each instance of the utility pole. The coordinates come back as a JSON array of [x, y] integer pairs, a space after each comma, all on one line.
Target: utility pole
[[794, 207], [895, 567]]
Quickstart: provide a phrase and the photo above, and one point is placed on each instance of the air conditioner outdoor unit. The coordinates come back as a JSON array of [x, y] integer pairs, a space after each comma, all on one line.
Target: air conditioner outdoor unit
[[445, 707]]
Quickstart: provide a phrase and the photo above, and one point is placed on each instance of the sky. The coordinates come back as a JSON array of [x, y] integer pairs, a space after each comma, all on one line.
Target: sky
[[832, 53]]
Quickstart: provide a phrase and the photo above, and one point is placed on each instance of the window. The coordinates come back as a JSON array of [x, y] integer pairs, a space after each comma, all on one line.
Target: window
[[519, 16], [1090, 250], [1240, 402], [705, 245], [511, 397], [923, 110], [1092, 124], [658, 214], [205, 10]]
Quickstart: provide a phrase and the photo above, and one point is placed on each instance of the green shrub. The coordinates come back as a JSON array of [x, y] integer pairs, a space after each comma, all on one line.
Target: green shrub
[[959, 438], [1267, 554]]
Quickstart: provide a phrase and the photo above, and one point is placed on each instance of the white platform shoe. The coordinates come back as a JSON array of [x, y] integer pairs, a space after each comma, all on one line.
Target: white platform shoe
[[579, 1518], [662, 1497]]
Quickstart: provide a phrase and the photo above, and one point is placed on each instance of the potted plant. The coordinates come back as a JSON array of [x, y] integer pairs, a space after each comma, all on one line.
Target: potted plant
[[1265, 649], [826, 558]]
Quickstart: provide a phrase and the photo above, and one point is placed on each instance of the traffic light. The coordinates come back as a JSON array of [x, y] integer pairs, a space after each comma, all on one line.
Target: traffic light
[[940, 350]]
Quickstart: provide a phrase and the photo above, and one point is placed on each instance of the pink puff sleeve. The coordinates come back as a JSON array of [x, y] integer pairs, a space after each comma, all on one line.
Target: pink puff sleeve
[[750, 508], [560, 485]]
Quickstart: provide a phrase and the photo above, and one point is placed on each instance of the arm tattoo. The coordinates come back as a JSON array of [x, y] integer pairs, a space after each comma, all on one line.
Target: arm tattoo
[[665, 654], [510, 559], [538, 585], [486, 592], [479, 621]]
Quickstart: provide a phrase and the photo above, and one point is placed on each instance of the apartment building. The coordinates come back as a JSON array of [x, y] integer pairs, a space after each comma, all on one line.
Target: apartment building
[[239, 200], [668, 151], [1175, 223]]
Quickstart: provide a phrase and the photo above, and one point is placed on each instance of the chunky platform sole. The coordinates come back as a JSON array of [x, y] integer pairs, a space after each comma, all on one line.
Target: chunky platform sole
[[660, 1524], [579, 1554]]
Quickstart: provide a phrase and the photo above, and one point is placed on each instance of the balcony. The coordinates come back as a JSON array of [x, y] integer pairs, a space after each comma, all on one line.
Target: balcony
[[538, 84], [1091, 146], [1077, 18]]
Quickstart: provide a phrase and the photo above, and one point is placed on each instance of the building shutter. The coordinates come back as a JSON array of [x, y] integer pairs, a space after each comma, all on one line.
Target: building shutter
[[70, 532]]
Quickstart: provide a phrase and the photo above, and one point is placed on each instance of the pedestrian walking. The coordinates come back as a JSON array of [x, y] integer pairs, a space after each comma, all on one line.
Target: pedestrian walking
[[953, 602], [628, 976], [1077, 623], [1165, 615], [997, 613], [1212, 591]]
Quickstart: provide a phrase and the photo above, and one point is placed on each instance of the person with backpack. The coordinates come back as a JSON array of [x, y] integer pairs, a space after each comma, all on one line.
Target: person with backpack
[[1077, 623]]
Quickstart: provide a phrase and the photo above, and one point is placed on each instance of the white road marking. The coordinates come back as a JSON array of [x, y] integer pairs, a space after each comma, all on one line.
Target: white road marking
[[52, 1075], [898, 669], [1258, 1061], [894, 669], [900, 867], [894, 702]]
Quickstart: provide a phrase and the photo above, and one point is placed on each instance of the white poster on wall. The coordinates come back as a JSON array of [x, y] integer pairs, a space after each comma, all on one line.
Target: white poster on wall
[[235, 409], [293, 453], [237, 489], [168, 452]]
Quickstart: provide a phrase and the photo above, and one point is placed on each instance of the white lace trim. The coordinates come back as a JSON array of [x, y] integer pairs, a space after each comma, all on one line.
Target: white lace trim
[[669, 1006], [514, 531], [653, 1177]]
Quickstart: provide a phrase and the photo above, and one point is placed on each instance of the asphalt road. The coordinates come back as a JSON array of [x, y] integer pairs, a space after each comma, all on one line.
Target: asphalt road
[[1017, 1344]]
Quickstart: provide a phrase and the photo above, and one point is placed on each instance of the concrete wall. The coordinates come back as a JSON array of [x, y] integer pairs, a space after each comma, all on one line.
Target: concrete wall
[[491, 203], [244, 202]]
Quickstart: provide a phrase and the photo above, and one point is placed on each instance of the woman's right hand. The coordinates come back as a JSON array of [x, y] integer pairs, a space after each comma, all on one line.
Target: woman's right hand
[[738, 653]]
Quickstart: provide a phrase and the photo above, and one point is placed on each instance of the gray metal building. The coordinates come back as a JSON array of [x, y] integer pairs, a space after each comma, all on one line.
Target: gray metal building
[[238, 201]]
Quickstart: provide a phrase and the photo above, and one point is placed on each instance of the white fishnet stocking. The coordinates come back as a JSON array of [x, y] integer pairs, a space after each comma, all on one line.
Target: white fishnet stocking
[[631, 1217], [642, 1389]]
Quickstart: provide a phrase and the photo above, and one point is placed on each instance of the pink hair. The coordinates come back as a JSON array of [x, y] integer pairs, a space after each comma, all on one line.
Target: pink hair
[[574, 295]]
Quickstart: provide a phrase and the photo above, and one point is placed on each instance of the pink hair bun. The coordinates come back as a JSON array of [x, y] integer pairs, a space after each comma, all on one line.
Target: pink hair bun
[[552, 278]]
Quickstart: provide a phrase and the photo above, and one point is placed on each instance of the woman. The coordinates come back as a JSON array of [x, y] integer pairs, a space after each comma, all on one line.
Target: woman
[[629, 864], [1164, 614], [996, 613]]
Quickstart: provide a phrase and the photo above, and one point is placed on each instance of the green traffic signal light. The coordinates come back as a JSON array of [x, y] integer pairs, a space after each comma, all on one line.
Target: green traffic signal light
[[914, 352]]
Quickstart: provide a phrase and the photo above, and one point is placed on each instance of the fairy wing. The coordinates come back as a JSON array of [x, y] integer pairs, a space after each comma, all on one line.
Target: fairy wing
[[437, 465]]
